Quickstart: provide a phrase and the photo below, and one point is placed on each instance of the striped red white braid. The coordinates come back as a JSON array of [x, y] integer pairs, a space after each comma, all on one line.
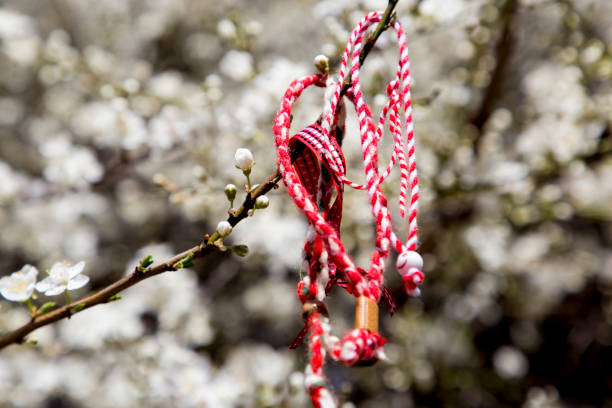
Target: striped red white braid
[[357, 283], [399, 150], [370, 138], [411, 242], [315, 377], [413, 276], [330, 108], [370, 157], [357, 345], [324, 251], [357, 33]]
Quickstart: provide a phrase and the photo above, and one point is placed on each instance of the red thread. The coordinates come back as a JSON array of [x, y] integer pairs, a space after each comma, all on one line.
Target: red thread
[[317, 170]]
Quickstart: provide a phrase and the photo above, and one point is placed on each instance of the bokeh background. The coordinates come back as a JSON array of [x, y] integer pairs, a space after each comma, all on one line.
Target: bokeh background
[[118, 124]]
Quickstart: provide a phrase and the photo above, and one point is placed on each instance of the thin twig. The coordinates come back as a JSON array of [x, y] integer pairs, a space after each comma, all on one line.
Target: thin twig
[[199, 251], [104, 295]]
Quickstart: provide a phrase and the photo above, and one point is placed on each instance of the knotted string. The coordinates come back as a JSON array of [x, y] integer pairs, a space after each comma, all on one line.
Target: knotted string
[[313, 169]]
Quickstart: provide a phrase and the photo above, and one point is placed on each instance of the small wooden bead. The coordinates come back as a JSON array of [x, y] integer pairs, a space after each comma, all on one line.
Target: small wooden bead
[[366, 317], [366, 314]]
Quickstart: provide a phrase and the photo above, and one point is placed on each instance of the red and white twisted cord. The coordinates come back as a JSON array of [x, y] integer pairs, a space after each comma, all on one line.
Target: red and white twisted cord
[[357, 345], [357, 283], [325, 254]]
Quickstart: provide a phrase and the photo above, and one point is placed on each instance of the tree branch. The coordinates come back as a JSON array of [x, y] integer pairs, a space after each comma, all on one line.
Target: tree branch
[[385, 22], [503, 52], [104, 295], [199, 251]]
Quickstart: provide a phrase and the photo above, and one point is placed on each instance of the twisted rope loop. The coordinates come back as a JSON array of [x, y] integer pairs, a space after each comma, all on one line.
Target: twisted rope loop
[[314, 169]]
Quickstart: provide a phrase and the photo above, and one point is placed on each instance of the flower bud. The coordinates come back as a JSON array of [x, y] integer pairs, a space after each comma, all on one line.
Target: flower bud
[[322, 63], [230, 192], [46, 308], [262, 202], [224, 228], [244, 159], [240, 250], [146, 262]]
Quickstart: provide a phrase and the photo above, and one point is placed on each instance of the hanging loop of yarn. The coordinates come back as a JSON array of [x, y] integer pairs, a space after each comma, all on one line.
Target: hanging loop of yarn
[[313, 169]]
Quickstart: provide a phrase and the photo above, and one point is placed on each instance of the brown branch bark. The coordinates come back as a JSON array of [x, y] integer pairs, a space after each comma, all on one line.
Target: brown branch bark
[[504, 50], [198, 251]]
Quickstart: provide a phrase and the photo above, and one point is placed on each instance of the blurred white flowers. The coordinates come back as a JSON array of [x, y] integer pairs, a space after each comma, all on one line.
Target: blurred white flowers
[[63, 277], [244, 159], [18, 286], [237, 65], [226, 29], [70, 165]]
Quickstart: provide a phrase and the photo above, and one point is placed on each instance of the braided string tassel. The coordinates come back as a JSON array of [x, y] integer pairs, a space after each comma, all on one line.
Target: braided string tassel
[[326, 260]]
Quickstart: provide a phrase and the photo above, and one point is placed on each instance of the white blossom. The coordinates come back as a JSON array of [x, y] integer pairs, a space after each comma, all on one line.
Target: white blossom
[[510, 363], [237, 65], [75, 166], [244, 159], [15, 25], [12, 182], [226, 28], [18, 286], [63, 276]]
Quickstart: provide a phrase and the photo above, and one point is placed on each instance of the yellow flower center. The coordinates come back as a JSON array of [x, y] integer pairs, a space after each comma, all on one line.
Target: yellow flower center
[[19, 286]]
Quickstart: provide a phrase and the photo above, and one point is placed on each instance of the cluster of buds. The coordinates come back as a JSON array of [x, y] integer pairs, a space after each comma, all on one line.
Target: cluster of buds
[[243, 160]]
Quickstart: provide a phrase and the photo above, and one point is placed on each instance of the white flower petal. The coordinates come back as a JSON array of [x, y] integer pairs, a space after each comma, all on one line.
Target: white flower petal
[[78, 282], [29, 272], [45, 284], [15, 296], [56, 290], [30, 287], [60, 273], [5, 282], [57, 269], [75, 270]]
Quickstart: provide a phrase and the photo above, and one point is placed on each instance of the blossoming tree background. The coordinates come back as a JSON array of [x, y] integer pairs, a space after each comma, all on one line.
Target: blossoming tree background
[[119, 122]]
